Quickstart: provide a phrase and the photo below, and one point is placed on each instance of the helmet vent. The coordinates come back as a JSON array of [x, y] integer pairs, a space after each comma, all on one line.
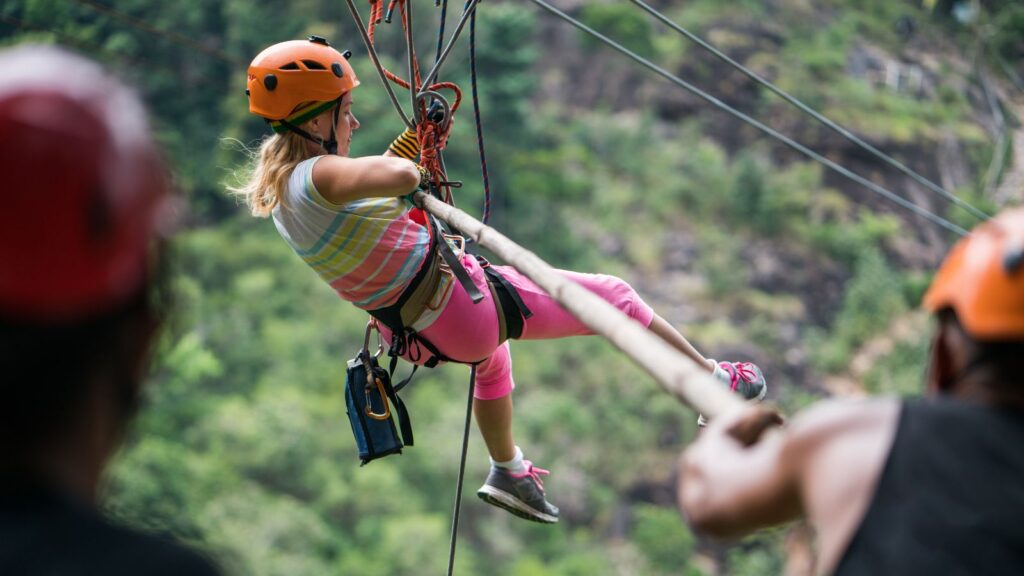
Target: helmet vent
[[337, 69], [314, 65], [290, 66]]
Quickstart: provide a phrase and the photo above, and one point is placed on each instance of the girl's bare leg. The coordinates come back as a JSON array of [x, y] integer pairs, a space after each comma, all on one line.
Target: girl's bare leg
[[662, 328], [494, 418]]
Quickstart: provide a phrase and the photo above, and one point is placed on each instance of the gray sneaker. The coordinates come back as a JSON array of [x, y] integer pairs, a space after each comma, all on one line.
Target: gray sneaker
[[743, 378], [521, 494]]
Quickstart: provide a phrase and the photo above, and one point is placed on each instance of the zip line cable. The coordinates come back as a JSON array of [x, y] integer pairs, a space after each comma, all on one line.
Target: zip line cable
[[935, 219], [95, 50], [815, 114], [83, 45], [470, 9], [172, 36]]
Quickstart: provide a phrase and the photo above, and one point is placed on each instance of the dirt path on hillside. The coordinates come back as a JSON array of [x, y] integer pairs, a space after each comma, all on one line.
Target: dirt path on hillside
[[1011, 188], [906, 328]]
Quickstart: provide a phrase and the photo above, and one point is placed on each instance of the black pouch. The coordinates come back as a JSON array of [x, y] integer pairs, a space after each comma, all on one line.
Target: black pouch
[[372, 404]]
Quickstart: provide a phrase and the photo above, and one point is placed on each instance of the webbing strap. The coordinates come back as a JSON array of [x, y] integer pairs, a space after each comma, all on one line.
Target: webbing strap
[[404, 423], [458, 269], [496, 276], [405, 382], [512, 311], [391, 315]]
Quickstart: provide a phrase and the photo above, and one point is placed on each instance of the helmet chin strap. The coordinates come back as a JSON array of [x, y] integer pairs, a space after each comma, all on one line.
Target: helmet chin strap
[[331, 145]]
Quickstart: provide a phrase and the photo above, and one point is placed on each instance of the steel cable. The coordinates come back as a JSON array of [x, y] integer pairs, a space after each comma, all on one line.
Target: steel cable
[[815, 114], [931, 217]]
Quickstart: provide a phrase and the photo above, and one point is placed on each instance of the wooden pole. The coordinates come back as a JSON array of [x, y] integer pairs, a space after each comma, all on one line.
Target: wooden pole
[[676, 373]]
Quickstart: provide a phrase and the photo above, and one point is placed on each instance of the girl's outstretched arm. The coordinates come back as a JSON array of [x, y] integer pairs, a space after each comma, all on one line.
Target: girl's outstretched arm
[[341, 180]]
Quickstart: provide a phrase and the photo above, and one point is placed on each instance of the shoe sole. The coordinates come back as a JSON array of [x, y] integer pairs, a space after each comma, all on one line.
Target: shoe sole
[[764, 392], [508, 502], [703, 422]]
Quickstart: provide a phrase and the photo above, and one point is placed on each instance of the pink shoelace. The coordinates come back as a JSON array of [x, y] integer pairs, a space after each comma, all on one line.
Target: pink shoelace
[[533, 472], [738, 371]]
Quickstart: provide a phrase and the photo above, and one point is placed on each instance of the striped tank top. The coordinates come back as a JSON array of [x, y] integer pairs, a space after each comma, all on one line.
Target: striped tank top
[[367, 250]]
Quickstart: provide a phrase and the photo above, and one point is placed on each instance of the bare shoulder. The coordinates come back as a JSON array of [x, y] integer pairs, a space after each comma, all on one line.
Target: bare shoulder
[[839, 449], [836, 417], [330, 166]]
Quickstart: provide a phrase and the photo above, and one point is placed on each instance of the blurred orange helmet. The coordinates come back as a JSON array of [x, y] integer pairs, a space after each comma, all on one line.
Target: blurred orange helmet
[[290, 73], [85, 192], [982, 279]]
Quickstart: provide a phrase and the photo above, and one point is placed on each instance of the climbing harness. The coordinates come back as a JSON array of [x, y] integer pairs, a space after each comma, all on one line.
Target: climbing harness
[[413, 301]]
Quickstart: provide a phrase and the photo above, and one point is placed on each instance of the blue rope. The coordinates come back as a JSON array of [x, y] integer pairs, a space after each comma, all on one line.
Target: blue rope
[[440, 28], [476, 116]]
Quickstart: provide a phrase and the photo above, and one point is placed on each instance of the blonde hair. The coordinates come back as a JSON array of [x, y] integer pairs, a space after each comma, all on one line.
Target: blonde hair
[[272, 164]]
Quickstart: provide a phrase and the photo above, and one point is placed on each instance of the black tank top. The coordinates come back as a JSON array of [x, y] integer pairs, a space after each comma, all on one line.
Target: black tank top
[[951, 496]]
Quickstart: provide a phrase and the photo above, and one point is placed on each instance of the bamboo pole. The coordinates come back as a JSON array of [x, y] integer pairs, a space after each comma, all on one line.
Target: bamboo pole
[[676, 373]]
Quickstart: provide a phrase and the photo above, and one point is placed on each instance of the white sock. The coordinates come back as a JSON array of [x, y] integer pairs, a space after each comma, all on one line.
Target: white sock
[[722, 375], [515, 465]]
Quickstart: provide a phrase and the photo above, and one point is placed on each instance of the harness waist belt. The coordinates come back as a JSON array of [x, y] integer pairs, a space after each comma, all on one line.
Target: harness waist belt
[[400, 316]]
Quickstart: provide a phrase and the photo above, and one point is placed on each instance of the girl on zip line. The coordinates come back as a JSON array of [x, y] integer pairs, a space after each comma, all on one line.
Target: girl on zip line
[[349, 220]]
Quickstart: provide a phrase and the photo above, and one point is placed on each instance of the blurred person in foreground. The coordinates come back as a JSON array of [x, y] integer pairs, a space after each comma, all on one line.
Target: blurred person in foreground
[[83, 195], [897, 486]]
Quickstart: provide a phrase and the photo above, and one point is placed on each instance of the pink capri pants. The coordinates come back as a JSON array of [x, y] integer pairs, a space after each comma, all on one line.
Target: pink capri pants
[[469, 332]]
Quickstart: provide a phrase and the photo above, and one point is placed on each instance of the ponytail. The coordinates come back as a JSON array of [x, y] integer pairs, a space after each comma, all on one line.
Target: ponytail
[[272, 165]]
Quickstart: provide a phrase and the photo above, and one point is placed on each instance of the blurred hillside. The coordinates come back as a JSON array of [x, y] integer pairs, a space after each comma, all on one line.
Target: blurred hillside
[[597, 165]]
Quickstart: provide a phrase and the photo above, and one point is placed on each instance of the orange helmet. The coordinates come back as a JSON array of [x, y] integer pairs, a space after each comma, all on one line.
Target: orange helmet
[[290, 73], [982, 279]]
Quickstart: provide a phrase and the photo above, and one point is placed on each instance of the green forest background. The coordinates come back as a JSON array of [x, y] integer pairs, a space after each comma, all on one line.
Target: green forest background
[[244, 448]]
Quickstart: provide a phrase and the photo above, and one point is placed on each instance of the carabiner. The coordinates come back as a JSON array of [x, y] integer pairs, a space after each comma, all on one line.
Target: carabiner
[[384, 400], [370, 326]]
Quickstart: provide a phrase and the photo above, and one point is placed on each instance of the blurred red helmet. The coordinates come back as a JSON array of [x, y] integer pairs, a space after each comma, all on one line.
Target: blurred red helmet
[[83, 187]]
